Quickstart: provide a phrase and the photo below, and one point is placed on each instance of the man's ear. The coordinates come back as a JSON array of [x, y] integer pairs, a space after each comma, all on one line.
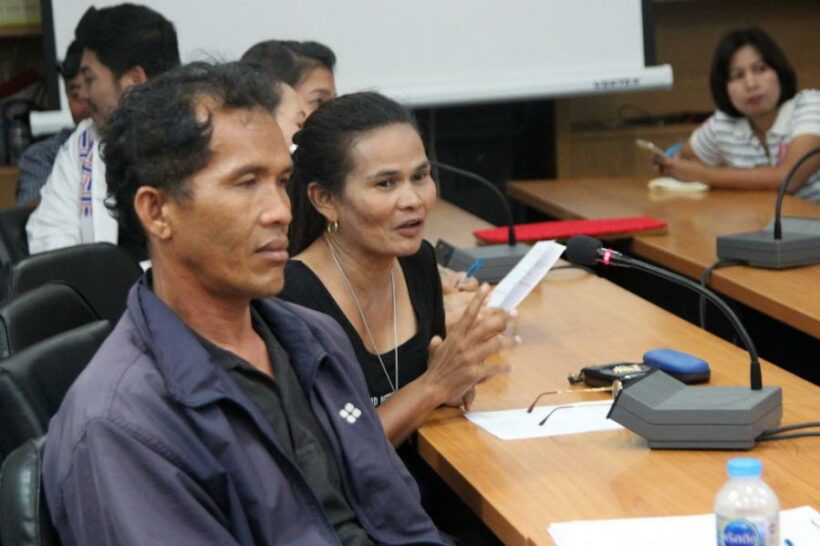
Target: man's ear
[[153, 208], [323, 201], [133, 76]]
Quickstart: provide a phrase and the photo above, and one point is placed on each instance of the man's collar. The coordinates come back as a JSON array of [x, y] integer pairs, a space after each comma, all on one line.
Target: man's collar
[[188, 368]]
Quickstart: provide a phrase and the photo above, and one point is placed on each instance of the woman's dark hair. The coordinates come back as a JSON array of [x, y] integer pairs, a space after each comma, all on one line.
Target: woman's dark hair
[[70, 66], [289, 60], [323, 154], [772, 56], [126, 36], [274, 58], [155, 137]]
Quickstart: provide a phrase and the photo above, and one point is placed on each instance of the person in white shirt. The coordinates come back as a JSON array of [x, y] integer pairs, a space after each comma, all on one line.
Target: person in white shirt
[[123, 46], [762, 127]]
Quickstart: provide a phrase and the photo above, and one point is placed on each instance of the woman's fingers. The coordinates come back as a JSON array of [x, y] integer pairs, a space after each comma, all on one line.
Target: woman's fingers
[[467, 284], [467, 399], [465, 324]]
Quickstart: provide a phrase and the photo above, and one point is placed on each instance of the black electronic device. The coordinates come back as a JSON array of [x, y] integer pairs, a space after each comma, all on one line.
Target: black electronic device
[[682, 366], [498, 259], [790, 242], [667, 412], [605, 374]]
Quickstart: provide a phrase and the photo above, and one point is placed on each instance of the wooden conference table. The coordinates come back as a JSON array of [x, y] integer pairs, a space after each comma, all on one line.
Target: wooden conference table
[[695, 221], [575, 319]]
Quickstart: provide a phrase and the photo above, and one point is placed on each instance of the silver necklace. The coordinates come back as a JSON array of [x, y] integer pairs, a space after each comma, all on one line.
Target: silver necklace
[[394, 385]]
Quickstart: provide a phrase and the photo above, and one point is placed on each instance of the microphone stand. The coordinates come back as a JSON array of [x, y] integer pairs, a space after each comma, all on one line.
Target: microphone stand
[[772, 247], [671, 414], [511, 239], [498, 260], [754, 365], [778, 208]]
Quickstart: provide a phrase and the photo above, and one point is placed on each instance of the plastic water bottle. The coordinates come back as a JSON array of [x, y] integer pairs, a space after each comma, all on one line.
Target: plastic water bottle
[[746, 509]]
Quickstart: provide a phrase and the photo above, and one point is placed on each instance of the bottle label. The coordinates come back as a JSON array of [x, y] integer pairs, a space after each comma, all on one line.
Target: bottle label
[[747, 532]]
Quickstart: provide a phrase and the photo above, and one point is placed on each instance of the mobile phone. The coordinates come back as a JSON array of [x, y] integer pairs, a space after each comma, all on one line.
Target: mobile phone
[[650, 147]]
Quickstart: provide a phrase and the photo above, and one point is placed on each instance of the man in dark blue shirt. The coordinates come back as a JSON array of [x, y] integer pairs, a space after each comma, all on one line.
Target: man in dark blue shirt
[[214, 413]]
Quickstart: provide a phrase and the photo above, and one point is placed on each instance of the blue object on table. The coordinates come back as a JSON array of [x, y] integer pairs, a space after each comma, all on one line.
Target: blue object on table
[[673, 149], [683, 366], [473, 269]]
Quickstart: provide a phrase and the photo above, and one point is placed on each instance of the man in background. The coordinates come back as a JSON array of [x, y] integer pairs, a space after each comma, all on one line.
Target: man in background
[[123, 46], [38, 159]]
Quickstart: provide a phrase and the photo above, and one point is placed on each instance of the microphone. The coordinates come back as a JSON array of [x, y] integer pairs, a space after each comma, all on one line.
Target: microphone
[[498, 260], [671, 414], [771, 247]]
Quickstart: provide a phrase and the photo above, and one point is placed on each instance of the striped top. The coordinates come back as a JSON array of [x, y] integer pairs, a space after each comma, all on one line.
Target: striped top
[[728, 141]]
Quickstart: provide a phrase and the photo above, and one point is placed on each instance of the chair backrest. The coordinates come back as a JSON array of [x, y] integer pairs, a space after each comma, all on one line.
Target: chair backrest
[[24, 517], [13, 241], [103, 273], [33, 382], [39, 314]]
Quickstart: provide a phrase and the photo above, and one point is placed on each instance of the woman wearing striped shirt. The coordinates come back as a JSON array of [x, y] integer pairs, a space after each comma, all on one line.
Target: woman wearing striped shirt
[[762, 125]]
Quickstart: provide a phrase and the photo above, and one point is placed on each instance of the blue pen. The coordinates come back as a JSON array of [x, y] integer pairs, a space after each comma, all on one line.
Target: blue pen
[[473, 269], [673, 149]]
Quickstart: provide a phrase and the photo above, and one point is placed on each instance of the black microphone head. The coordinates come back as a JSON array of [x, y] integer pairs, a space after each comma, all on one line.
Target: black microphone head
[[583, 250]]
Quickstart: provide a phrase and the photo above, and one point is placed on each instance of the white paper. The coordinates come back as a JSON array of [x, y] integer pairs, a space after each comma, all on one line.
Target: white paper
[[526, 275], [666, 183], [796, 525], [517, 424]]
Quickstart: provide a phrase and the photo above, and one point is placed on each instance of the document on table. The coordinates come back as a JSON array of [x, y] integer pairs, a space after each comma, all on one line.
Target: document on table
[[800, 526], [517, 424], [526, 275]]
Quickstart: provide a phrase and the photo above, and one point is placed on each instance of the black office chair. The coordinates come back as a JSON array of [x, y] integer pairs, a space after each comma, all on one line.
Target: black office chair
[[38, 314], [103, 273], [13, 240], [33, 382], [24, 517]]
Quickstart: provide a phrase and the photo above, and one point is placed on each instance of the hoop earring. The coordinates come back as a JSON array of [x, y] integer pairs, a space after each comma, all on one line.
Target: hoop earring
[[332, 227]]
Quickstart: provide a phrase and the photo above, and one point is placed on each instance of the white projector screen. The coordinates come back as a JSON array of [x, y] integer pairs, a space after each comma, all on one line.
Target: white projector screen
[[428, 52]]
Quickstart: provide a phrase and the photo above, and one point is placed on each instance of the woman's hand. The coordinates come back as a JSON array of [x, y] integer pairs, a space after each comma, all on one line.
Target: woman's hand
[[453, 282], [455, 305], [458, 363], [687, 170], [458, 290], [464, 402]]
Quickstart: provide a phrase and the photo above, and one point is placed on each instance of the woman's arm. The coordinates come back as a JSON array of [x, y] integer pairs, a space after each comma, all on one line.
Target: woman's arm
[[454, 367], [758, 178]]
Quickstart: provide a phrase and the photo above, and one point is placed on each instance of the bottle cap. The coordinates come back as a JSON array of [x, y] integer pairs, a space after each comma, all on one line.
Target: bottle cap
[[743, 467]]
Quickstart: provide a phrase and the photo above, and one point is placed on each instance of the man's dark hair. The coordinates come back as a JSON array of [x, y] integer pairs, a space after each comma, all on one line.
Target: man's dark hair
[[769, 51], [289, 60], [128, 35], [323, 154], [70, 66], [155, 137]]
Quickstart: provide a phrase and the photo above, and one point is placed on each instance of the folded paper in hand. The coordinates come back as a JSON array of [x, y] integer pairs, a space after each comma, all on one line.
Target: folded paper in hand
[[525, 275]]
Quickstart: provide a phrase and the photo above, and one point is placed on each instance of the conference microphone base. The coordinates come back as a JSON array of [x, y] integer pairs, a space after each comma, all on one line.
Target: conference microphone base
[[799, 246], [672, 415], [498, 259]]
